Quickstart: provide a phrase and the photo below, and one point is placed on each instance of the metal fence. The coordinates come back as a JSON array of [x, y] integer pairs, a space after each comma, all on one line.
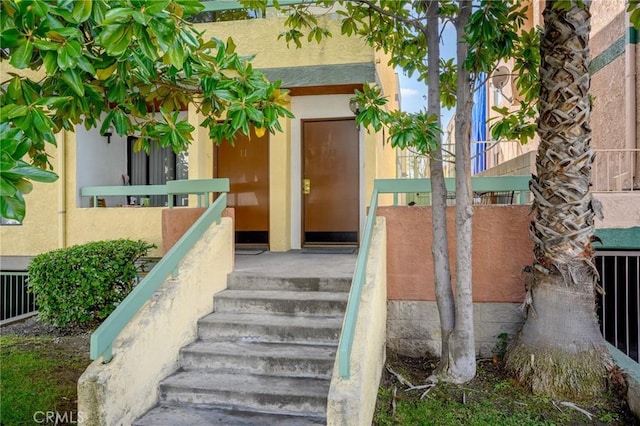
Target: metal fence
[[619, 307], [17, 302]]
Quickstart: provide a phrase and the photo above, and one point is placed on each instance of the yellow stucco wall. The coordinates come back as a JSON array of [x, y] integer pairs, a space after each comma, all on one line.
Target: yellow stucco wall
[[39, 231], [352, 401], [254, 37], [280, 188]]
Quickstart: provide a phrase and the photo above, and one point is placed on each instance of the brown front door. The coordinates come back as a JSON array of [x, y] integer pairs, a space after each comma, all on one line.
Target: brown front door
[[330, 182], [246, 164]]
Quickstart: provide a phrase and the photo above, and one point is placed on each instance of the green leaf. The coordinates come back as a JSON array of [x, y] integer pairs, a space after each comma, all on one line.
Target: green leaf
[[157, 6], [12, 111], [46, 45], [7, 188], [21, 58], [11, 38], [81, 10], [13, 207], [24, 186], [175, 55], [25, 171], [148, 48], [115, 39], [50, 60], [74, 81], [117, 15]]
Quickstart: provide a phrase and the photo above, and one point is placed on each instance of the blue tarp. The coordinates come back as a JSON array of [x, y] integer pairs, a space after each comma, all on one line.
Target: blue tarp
[[479, 126]]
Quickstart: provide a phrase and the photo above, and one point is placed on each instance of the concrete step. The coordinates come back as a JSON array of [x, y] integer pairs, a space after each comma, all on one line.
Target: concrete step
[[176, 415], [270, 327], [285, 395], [285, 359], [282, 302], [257, 282]]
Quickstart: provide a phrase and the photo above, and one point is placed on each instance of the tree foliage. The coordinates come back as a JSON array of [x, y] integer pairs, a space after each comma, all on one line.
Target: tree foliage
[[130, 64], [399, 28]]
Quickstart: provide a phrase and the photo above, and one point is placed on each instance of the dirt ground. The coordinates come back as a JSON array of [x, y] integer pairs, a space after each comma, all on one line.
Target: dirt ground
[[495, 388], [75, 338]]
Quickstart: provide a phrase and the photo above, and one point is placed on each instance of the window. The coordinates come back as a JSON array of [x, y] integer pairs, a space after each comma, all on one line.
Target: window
[[225, 15], [156, 168], [5, 221]]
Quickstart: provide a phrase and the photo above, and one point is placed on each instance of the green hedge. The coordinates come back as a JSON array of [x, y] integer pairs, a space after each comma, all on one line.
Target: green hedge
[[83, 284]]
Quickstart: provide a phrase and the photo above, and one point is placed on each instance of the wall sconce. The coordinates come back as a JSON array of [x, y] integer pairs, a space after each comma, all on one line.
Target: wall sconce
[[109, 133], [354, 106]]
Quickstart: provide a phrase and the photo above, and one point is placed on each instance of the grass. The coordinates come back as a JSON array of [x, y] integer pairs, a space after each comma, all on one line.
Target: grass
[[38, 375], [491, 398]]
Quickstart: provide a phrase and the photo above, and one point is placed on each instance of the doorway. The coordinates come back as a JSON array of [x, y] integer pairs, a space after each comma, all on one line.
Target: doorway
[[246, 164], [330, 176]]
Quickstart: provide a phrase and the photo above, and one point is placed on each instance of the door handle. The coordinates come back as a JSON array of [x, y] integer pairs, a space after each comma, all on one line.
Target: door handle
[[306, 186]]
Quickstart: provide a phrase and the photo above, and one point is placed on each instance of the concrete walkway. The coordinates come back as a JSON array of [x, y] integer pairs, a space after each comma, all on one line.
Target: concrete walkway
[[297, 263]]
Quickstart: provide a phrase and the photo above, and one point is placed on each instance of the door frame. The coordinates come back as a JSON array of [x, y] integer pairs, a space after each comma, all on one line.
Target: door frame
[[317, 107], [360, 184]]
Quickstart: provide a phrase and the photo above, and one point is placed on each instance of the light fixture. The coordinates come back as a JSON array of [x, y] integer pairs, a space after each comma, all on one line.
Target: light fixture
[[354, 106], [109, 133]]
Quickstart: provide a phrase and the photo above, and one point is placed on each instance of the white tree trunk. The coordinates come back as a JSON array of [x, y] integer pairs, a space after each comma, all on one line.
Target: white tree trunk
[[462, 357], [440, 246]]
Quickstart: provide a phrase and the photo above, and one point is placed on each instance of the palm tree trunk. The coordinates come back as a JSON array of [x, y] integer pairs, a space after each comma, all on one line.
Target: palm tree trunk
[[560, 350]]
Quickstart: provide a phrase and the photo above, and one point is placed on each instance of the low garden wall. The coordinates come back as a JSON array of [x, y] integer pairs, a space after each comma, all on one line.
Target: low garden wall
[[501, 248]]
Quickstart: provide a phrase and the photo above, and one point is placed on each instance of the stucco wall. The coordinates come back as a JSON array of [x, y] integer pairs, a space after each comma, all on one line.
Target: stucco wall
[[42, 229], [254, 37], [148, 347], [621, 210], [352, 401], [94, 224], [501, 247], [175, 222], [607, 24], [500, 243], [413, 326], [610, 113]]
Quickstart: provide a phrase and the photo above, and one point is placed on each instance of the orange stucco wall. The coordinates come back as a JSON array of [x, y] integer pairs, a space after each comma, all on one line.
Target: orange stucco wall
[[175, 222], [501, 248]]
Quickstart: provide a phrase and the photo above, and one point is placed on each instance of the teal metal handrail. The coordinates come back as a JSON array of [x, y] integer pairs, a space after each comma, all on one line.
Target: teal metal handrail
[[102, 339], [353, 305], [478, 184], [203, 188], [121, 190], [401, 186]]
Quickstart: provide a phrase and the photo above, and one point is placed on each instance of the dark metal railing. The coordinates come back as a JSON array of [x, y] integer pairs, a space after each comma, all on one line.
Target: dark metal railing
[[17, 302], [619, 306]]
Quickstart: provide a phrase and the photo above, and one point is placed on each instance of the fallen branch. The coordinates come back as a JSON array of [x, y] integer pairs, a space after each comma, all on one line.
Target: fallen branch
[[419, 387], [427, 391], [400, 378], [575, 407], [393, 401]]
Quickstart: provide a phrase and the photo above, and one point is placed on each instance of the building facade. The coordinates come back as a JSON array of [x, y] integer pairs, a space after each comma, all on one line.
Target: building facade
[[306, 185]]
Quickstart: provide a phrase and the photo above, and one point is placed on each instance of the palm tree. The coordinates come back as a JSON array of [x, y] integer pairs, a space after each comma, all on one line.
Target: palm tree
[[560, 350]]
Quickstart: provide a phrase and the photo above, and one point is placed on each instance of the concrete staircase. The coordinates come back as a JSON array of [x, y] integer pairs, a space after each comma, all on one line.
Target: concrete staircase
[[263, 357]]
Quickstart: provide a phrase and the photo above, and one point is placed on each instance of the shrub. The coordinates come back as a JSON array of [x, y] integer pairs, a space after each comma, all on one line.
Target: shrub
[[83, 284]]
